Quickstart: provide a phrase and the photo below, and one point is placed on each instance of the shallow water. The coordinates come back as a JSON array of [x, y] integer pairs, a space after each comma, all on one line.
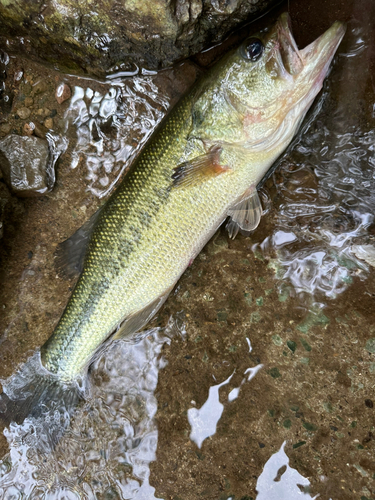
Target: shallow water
[[103, 124], [261, 385]]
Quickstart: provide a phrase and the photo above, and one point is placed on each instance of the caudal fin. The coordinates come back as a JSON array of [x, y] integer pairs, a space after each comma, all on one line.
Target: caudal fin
[[35, 394]]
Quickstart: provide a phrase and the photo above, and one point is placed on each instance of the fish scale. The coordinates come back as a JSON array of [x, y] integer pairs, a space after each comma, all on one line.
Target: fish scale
[[156, 222]]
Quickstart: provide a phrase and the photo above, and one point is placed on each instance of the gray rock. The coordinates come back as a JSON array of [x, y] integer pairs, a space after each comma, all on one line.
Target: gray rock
[[118, 36], [27, 165]]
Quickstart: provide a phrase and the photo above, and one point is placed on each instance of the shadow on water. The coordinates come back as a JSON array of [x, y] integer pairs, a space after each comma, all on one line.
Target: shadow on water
[[262, 387]]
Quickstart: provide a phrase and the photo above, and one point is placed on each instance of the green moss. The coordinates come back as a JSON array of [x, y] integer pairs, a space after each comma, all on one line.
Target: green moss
[[306, 345], [292, 345], [277, 340], [255, 317], [370, 345], [309, 427], [259, 301], [299, 444], [222, 315], [313, 319], [248, 298], [328, 407], [287, 423], [274, 372]]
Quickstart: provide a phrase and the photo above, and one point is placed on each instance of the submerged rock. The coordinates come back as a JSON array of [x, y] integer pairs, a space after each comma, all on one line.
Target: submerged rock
[[26, 165], [118, 36], [63, 93]]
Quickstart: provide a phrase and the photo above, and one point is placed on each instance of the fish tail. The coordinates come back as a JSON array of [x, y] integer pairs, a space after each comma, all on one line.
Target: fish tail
[[35, 394], [41, 397]]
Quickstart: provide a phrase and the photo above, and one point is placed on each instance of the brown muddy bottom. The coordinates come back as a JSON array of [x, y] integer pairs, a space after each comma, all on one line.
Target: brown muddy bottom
[[256, 379]]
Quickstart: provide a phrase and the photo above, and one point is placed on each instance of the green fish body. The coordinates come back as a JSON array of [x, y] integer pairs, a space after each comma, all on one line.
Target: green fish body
[[202, 165]]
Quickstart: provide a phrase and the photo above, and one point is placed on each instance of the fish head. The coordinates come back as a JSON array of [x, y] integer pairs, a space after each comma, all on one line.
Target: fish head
[[270, 83]]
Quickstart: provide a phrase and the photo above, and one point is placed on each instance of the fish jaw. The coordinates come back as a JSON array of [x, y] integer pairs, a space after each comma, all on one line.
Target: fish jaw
[[318, 55], [309, 66]]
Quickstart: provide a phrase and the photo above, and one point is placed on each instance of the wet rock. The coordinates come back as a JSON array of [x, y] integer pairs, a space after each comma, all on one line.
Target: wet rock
[[26, 165], [43, 112], [40, 130], [23, 113], [5, 128], [29, 101], [151, 34], [40, 87], [365, 252], [63, 93], [28, 128], [48, 123]]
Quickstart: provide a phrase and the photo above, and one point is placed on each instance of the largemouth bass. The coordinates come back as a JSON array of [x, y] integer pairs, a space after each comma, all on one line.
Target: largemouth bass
[[202, 165]]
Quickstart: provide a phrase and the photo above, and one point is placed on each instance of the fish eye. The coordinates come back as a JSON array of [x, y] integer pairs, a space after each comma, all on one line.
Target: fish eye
[[253, 49]]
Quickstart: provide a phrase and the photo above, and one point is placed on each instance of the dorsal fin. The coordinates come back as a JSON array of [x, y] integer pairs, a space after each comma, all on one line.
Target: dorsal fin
[[70, 254], [245, 214]]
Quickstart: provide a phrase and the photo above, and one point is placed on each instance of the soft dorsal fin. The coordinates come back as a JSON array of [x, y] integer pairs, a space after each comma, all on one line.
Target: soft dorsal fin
[[70, 254], [200, 168], [245, 214]]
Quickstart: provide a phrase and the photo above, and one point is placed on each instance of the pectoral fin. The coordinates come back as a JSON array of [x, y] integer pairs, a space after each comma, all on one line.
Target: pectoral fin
[[245, 215], [199, 169]]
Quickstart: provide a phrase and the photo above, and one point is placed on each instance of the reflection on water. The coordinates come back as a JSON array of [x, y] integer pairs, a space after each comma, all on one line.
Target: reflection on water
[[103, 124], [111, 440], [108, 445], [279, 481], [203, 421]]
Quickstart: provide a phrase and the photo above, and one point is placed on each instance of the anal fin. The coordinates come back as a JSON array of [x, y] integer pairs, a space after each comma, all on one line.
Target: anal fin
[[138, 320], [245, 214], [199, 168]]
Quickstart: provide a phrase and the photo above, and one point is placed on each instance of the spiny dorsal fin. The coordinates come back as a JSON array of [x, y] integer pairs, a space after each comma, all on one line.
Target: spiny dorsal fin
[[70, 254], [245, 215], [199, 169]]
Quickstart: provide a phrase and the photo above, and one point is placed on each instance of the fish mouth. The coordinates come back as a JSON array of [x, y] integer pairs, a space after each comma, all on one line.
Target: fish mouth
[[313, 59]]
